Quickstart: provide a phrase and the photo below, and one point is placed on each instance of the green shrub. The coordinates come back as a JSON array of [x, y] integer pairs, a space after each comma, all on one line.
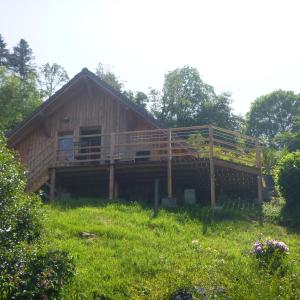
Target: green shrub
[[20, 214], [25, 272], [288, 178], [30, 274]]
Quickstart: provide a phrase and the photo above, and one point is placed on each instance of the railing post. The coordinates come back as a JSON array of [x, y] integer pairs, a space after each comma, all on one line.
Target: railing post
[[212, 167], [170, 163], [259, 176], [111, 166]]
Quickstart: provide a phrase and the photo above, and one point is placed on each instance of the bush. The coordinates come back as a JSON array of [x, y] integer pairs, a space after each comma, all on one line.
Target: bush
[[25, 272], [270, 254], [288, 178], [34, 275]]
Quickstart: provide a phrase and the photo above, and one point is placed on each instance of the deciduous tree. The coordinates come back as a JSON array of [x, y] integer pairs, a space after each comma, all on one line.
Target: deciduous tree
[[51, 77], [273, 114]]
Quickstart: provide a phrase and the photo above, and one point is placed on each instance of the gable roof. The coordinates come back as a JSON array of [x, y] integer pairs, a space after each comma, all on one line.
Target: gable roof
[[85, 73]]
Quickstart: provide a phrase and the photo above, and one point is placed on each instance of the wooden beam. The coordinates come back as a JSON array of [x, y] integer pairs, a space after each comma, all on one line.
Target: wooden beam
[[111, 181], [169, 179], [212, 168], [156, 196], [112, 167], [259, 177], [52, 184]]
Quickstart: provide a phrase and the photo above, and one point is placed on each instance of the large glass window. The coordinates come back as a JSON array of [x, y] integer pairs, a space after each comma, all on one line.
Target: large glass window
[[90, 142], [65, 146]]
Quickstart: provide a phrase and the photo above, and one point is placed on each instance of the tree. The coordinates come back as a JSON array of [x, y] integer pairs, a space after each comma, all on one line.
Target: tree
[[21, 60], [141, 99], [273, 114], [186, 100], [4, 53], [183, 95], [51, 77], [105, 73], [17, 98], [155, 103], [217, 111]]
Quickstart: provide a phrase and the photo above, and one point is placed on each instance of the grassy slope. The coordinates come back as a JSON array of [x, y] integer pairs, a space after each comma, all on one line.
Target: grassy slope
[[137, 257]]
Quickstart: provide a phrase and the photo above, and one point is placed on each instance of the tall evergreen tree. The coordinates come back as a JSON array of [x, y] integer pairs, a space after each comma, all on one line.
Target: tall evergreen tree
[[21, 60], [4, 53]]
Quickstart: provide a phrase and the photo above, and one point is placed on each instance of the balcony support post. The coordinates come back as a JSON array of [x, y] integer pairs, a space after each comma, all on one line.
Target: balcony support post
[[212, 168], [170, 192], [259, 177], [111, 168]]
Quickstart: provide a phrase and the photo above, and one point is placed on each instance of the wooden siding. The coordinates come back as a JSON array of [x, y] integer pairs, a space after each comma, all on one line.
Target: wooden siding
[[96, 109]]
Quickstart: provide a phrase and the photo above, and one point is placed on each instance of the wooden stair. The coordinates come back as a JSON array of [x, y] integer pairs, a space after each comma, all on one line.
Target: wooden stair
[[38, 168]]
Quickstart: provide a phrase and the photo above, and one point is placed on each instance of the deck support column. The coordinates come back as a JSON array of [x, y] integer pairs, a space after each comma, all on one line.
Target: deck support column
[[156, 196], [111, 181], [259, 177], [170, 191], [52, 184], [212, 168], [111, 167]]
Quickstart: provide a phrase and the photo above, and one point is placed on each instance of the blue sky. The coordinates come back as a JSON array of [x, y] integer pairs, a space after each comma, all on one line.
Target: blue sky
[[246, 47]]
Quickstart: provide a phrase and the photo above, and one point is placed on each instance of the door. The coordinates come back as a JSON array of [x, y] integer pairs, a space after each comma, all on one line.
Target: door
[[65, 146]]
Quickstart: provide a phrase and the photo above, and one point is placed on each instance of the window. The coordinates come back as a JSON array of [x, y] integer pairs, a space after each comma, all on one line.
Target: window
[[90, 142], [65, 146]]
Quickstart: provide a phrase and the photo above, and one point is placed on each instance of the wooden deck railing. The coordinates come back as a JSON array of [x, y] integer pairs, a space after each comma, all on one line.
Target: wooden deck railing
[[186, 144], [177, 144]]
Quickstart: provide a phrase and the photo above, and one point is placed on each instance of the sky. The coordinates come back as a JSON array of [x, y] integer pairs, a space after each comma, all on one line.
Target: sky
[[249, 48]]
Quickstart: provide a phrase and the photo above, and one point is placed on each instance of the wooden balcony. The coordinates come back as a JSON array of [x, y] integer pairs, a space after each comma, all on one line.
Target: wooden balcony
[[176, 144], [205, 147]]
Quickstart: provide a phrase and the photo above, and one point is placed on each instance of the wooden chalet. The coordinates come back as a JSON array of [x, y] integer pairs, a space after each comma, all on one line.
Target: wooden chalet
[[88, 139]]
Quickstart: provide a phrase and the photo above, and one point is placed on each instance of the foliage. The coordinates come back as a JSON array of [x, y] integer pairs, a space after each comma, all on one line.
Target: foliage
[[273, 114], [240, 155], [288, 177], [183, 94], [270, 159], [3, 52], [218, 111], [18, 98], [289, 140], [271, 254], [29, 274], [19, 213], [138, 98], [186, 100], [25, 273], [21, 60], [105, 73], [51, 77], [136, 256]]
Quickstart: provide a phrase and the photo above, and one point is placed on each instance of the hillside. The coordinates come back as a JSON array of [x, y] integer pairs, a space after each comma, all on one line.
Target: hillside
[[131, 255]]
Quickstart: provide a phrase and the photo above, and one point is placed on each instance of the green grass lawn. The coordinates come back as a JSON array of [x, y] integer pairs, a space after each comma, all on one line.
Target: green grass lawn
[[136, 256]]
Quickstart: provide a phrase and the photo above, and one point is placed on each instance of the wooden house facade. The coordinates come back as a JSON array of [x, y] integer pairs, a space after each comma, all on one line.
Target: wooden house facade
[[89, 138]]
